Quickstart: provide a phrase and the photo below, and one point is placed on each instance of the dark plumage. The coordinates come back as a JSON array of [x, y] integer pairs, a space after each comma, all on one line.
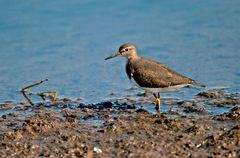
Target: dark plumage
[[151, 74]]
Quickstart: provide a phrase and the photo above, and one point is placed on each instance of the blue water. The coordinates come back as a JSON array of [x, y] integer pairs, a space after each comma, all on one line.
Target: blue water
[[67, 41]]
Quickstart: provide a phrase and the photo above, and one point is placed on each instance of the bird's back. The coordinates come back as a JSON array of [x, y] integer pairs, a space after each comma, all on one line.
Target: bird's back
[[152, 74]]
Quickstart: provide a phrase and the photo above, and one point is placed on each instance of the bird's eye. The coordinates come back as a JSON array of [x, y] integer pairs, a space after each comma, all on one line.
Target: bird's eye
[[126, 49]]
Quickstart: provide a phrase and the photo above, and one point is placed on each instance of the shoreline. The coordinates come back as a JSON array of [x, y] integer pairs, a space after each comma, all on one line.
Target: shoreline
[[123, 128]]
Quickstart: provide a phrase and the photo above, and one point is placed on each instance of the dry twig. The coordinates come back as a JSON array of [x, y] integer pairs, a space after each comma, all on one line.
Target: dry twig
[[25, 92], [52, 95]]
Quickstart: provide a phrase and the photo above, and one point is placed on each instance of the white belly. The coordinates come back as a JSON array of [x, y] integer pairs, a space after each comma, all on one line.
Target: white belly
[[167, 89], [158, 90]]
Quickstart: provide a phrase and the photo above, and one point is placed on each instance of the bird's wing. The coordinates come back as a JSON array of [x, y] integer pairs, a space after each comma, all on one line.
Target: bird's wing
[[152, 74]]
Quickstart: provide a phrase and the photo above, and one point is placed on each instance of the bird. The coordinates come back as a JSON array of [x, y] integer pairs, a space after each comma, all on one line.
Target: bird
[[151, 76]]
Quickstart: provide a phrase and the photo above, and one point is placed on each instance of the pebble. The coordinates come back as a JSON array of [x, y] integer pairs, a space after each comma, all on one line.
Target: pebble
[[97, 150]]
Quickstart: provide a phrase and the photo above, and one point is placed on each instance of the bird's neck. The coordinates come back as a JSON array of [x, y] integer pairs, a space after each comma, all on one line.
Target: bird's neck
[[133, 57]]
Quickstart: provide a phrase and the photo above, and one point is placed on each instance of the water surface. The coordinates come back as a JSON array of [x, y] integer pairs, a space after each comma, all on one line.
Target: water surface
[[67, 41]]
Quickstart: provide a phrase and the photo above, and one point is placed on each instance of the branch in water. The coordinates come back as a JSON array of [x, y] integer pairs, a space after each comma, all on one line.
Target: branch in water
[[34, 84], [26, 96], [25, 92]]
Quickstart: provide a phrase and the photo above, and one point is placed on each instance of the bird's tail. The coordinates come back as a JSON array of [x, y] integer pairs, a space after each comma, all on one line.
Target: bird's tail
[[198, 84]]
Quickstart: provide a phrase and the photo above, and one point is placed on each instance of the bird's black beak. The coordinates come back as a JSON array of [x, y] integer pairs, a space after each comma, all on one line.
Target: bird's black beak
[[113, 56]]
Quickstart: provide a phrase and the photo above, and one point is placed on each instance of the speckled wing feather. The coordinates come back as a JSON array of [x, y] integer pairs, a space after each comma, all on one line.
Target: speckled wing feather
[[152, 74]]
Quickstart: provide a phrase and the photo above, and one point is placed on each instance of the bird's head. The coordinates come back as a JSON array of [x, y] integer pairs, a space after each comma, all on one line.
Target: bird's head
[[126, 50]]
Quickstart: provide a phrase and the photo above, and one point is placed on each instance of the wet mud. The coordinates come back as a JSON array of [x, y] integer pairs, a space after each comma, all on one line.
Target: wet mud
[[122, 128]]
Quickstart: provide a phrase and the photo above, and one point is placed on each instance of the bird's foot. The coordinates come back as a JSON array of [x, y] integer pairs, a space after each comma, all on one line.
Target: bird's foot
[[157, 102]]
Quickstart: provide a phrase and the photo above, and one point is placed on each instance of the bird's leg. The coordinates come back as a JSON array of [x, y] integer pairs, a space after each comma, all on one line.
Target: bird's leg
[[157, 101]]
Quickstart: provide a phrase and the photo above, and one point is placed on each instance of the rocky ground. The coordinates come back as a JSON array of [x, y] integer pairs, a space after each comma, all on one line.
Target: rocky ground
[[122, 128]]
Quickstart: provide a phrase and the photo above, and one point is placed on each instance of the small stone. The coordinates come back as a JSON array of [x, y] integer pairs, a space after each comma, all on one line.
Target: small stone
[[131, 107], [97, 150], [87, 110], [107, 104], [207, 94], [67, 100], [4, 116], [81, 105], [131, 100], [142, 111]]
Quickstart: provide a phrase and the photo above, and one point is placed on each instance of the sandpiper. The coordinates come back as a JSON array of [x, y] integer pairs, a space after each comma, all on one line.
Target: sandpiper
[[151, 75]]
